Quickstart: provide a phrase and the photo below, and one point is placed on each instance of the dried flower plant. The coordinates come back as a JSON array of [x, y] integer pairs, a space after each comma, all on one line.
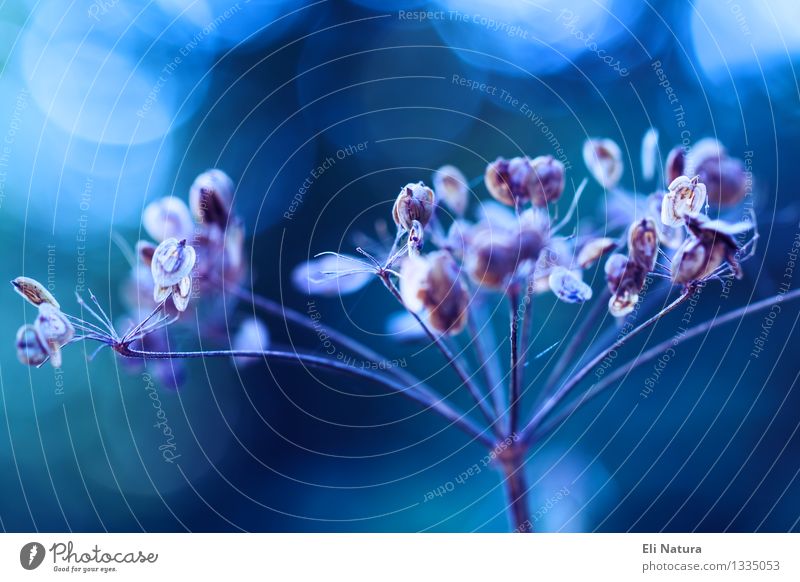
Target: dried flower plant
[[513, 251]]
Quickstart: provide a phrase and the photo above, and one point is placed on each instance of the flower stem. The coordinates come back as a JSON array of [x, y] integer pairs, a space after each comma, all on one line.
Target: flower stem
[[516, 487], [448, 355], [654, 352], [565, 389], [488, 365], [514, 401], [421, 396]]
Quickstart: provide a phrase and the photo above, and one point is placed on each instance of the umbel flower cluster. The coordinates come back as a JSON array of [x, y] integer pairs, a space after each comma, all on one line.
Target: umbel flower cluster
[[449, 260]]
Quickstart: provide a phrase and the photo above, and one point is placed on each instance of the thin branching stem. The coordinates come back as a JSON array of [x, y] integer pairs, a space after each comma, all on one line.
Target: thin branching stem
[[573, 381], [514, 398], [422, 397], [599, 307], [654, 352], [480, 399], [494, 383]]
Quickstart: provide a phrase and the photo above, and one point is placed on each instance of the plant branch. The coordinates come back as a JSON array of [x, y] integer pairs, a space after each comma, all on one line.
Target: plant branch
[[415, 393], [448, 355], [514, 399], [655, 351], [565, 389], [488, 365]]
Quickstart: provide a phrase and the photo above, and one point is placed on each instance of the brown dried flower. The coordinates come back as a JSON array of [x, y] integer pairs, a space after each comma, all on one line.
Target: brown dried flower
[[415, 202]]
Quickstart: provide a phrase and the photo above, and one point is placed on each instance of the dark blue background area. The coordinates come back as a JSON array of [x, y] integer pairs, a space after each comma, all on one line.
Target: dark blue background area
[[268, 97]]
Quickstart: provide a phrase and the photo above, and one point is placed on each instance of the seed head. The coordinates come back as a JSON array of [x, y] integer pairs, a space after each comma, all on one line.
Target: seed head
[[415, 202], [603, 158], [711, 242], [686, 197], [547, 180], [211, 197], [167, 218], [625, 279], [725, 179], [451, 187], [31, 348], [34, 292]]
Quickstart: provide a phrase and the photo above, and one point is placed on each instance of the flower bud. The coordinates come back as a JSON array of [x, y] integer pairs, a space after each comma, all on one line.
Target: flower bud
[[568, 286], [444, 294], [603, 158], [31, 348], [172, 260], [510, 182], [451, 187], [593, 249], [34, 292], [211, 197], [643, 243], [676, 163], [167, 218], [547, 180], [415, 202], [686, 197]]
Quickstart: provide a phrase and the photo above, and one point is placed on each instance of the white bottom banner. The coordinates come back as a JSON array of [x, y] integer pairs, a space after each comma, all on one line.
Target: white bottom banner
[[356, 557]]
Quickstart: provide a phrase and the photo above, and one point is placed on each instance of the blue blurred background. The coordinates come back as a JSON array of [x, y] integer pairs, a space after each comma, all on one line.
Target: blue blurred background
[[109, 105]]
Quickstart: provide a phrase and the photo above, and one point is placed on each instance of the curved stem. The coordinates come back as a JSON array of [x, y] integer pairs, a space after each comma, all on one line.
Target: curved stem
[[423, 397], [565, 389], [487, 365], [274, 308], [448, 355], [654, 352]]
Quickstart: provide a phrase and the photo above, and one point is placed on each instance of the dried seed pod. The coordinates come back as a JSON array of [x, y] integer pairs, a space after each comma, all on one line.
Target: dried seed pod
[[415, 202], [181, 293], [444, 294], [725, 179], [451, 187], [413, 274], [649, 153], [533, 234], [615, 270], [593, 249], [172, 260], [145, 251], [686, 197], [668, 236], [625, 280], [643, 243], [568, 286], [491, 261], [34, 292], [603, 158], [167, 218], [211, 197], [54, 328], [711, 243], [623, 302], [676, 164], [510, 182], [31, 348], [416, 238], [547, 180]]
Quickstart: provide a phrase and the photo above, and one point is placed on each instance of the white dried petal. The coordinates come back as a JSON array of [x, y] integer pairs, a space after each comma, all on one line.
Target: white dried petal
[[416, 238], [172, 261], [594, 249], [603, 158], [166, 218], [31, 348], [622, 303], [685, 197], [649, 153], [413, 275], [568, 286], [451, 187], [161, 293], [34, 292]]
